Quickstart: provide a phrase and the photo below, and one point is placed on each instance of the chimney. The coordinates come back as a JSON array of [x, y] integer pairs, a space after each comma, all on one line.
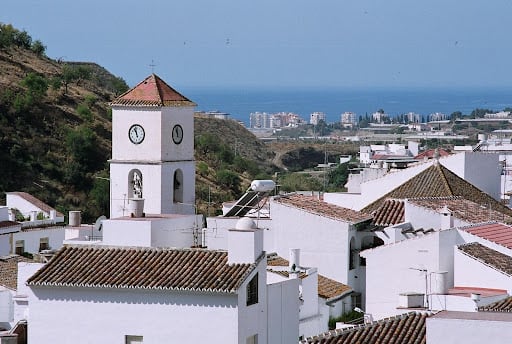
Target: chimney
[[245, 242], [74, 218], [137, 207], [446, 218], [294, 262]]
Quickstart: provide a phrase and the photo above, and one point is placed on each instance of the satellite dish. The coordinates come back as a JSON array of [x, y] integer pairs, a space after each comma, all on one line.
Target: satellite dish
[[99, 223]]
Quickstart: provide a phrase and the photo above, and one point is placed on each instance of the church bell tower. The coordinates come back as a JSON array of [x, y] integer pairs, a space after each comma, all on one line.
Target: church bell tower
[[152, 150]]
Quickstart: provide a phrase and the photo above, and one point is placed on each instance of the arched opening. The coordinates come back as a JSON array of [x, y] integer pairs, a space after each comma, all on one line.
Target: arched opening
[[178, 187], [135, 184], [369, 241]]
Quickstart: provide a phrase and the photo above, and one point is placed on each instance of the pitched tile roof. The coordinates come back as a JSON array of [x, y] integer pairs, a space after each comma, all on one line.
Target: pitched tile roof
[[463, 209], [407, 328], [9, 270], [327, 288], [390, 212], [152, 91], [498, 233], [429, 153], [438, 181], [35, 201], [142, 268], [5, 224], [504, 305], [321, 208], [488, 256]]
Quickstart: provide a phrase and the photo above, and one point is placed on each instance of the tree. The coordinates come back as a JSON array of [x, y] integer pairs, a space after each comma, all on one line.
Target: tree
[[229, 179], [38, 48]]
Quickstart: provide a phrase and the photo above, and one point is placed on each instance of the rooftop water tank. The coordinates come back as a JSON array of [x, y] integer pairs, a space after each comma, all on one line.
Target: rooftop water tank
[[263, 185]]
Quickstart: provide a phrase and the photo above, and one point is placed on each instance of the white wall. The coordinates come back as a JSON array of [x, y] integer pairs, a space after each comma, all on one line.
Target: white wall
[[470, 272], [323, 242], [427, 218], [176, 232], [283, 311], [478, 168], [390, 269], [86, 315], [32, 238], [456, 331], [253, 319], [127, 232]]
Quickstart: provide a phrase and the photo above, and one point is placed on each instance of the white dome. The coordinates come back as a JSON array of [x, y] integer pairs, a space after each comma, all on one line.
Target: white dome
[[245, 223]]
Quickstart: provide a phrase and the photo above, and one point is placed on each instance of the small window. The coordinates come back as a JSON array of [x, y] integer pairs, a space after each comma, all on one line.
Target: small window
[[128, 339], [44, 244], [252, 339], [20, 247], [252, 291]]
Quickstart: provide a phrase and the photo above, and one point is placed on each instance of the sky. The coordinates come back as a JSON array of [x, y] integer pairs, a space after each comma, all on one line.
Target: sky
[[280, 43]]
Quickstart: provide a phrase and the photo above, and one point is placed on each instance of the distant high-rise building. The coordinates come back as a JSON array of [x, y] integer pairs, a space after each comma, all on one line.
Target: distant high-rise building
[[316, 117], [259, 120], [437, 117], [348, 119]]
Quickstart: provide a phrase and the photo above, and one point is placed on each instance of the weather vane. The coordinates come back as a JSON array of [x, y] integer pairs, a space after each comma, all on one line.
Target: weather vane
[[152, 65]]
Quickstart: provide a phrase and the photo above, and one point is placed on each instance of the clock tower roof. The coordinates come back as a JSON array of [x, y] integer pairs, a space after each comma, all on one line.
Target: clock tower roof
[[152, 91]]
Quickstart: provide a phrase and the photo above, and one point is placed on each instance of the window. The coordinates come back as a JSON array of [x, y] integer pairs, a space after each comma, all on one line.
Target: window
[[252, 291], [178, 187], [20, 247], [129, 339], [44, 244], [352, 255], [135, 184], [252, 339]]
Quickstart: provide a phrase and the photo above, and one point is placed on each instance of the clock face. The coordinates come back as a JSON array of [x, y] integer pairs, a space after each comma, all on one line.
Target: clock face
[[177, 134], [136, 134]]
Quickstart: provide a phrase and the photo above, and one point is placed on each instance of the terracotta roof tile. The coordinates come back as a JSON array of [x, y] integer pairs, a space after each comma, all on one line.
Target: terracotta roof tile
[[5, 224], [438, 181], [498, 233], [329, 288], [429, 153], [321, 208], [488, 256], [152, 91], [142, 268], [389, 213], [407, 328], [463, 209], [504, 305], [35, 201], [9, 270]]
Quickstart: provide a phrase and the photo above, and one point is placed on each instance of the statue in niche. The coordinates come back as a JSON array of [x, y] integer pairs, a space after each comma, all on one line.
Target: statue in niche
[[137, 185]]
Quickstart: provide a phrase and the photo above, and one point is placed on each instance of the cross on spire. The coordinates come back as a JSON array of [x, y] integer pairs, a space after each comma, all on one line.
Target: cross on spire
[[152, 65]]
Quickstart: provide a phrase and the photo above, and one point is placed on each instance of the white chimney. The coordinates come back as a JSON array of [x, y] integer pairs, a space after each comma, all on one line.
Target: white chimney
[[245, 242], [53, 214], [446, 218], [294, 262], [137, 207], [74, 218], [33, 215]]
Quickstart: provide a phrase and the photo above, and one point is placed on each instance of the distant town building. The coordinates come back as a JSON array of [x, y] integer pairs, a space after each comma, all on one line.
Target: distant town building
[[379, 117], [259, 120], [316, 117], [501, 114], [264, 120], [437, 117], [412, 117], [215, 114], [348, 119]]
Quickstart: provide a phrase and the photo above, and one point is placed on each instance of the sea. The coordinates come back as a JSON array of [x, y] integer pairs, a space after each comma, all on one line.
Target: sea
[[241, 102]]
